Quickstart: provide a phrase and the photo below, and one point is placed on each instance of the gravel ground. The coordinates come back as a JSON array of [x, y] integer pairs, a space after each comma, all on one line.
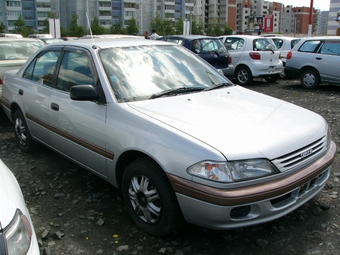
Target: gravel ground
[[75, 212]]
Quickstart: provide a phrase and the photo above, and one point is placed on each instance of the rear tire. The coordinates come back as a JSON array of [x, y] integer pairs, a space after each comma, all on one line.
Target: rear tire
[[22, 133], [243, 75], [310, 79], [272, 78], [150, 199]]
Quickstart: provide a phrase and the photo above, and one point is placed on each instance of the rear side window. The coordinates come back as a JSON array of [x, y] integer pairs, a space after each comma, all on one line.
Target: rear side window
[[234, 43], [330, 48], [310, 46], [42, 68], [293, 43]]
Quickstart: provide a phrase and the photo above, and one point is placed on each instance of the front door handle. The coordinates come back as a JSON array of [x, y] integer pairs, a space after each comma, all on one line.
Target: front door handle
[[55, 107], [318, 58], [21, 92]]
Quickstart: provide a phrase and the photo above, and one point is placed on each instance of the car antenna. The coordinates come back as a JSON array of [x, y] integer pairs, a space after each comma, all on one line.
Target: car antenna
[[88, 22]]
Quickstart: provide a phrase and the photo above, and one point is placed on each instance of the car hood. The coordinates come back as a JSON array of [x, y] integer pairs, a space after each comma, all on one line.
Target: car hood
[[10, 193], [238, 122]]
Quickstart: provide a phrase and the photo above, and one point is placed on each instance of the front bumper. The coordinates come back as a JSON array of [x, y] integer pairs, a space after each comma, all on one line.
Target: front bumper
[[233, 208]]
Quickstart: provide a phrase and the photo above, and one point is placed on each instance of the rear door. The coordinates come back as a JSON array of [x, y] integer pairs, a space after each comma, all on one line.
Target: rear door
[[235, 46], [327, 60], [35, 91]]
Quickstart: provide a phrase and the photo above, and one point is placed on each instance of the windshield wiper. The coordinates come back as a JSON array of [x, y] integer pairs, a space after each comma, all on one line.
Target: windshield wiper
[[176, 91], [218, 86]]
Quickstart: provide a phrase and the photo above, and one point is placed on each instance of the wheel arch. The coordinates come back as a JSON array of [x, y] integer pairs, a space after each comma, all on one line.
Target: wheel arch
[[309, 68], [14, 108], [242, 65], [124, 160]]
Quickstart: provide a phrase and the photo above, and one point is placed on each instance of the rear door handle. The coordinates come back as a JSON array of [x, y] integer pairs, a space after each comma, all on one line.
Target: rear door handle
[[318, 58], [54, 107], [21, 92]]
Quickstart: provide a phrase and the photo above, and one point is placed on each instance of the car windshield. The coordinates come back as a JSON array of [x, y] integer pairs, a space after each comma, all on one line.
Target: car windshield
[[22, 49], [143, 72]]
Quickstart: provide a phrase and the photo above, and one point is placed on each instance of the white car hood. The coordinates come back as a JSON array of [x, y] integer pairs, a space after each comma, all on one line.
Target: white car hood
[[238, 122]]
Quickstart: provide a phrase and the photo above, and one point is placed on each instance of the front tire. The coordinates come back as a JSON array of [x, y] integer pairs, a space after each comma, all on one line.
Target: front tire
[[22, 133], [244, 76], [310, 79], [150, 199]]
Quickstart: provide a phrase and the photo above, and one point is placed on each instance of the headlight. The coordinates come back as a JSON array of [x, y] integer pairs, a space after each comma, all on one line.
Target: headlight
[[18, 234], [234, 171]]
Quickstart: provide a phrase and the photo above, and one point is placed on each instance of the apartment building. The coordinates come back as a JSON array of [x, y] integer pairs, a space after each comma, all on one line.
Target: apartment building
[[243, 16], [333, 24]]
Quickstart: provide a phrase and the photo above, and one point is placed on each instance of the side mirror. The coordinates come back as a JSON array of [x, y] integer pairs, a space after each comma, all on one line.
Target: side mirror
[[83, 93]]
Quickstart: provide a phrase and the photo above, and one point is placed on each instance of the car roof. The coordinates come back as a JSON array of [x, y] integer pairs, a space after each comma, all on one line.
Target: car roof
[[321, 38], [109, 42], [190, 37], [20, 39], [244, 36]]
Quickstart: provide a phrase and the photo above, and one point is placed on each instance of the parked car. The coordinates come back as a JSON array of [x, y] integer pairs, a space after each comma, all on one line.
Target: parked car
[[208, 48], [14, 52], [11, 35], [176, 137], [284, 44], [315, 60], [39, 36], [17, 235], [51, 40], [253, 56]]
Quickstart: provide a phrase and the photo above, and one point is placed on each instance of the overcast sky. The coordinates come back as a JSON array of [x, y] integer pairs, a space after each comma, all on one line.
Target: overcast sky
[[322, 5]]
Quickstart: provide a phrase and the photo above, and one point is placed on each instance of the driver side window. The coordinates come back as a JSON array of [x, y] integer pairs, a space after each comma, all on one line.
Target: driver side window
[[75, 69]]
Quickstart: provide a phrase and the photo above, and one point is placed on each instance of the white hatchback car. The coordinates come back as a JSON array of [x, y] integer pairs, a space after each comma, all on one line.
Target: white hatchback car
[[284, 44], [253, 56], [17, 235]]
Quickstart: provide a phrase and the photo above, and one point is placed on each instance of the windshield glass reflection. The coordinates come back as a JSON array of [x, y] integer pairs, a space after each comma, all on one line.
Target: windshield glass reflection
[[137, 73]]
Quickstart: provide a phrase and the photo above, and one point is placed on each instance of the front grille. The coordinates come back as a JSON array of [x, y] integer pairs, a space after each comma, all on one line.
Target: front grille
[[291, 197], [301, 157]]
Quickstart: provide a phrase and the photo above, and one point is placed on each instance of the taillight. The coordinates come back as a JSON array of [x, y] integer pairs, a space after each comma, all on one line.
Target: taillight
[[230, 59], [1, 81], [289, 55], [255, 55]]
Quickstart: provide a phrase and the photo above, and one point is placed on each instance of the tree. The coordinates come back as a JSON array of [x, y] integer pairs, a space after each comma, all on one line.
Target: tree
[[227, 30], [157, 23], [96, 28], [76, 30], [198, 27], [163, 27], [132, 27], [179, 26], [117, 28], [27, 31], [2, 28], [19, 25]]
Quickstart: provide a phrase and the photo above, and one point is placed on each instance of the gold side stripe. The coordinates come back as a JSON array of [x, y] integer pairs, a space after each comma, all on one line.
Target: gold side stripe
[[73, 138]]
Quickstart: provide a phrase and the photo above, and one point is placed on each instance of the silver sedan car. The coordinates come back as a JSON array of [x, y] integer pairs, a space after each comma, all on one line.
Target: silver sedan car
[[178, 139]]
